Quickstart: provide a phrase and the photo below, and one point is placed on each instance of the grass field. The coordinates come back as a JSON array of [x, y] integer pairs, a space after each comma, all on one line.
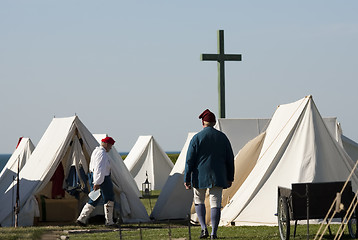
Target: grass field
[[159, 231], [164, 230]]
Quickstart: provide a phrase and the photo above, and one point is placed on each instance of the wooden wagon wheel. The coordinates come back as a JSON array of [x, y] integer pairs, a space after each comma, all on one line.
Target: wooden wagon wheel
[[352, 225], [283, 218]]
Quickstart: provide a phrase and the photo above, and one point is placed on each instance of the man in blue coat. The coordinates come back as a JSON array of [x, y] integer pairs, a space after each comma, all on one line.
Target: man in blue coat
[[209, 165]]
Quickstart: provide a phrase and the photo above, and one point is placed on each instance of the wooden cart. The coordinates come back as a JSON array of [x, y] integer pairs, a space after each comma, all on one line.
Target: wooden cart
[[307, 201]]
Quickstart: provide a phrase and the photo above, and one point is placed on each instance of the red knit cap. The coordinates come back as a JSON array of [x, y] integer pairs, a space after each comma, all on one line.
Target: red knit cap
[[207, 116], [108, 140]]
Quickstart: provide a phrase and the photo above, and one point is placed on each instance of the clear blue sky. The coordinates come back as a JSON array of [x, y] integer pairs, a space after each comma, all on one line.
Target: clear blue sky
[[131, 68]]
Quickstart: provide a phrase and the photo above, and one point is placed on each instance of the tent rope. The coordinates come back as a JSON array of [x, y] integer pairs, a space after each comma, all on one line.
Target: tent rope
[[332, 205]]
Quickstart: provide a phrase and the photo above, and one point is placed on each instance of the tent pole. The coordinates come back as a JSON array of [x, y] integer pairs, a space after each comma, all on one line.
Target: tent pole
[[17, 207]]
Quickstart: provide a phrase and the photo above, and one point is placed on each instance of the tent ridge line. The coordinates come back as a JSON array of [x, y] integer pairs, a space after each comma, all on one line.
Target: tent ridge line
[[282, 129]]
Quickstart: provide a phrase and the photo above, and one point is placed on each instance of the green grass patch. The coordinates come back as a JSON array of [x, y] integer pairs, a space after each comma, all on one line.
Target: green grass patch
[[21, 233], [161, 231], [173, 157], [150, 201], [34, 233]]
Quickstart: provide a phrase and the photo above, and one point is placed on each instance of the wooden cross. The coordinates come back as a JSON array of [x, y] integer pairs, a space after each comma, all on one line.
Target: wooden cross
[[221, 57]]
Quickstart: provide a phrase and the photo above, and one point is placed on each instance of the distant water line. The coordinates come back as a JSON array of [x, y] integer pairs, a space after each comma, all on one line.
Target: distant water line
[[3, 160]]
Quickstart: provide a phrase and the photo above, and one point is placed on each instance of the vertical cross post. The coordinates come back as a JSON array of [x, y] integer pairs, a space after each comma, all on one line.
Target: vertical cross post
[[221, 57]]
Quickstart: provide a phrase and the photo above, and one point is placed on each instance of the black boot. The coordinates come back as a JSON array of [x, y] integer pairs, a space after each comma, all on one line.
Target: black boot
[[204, 233], [79, 223]]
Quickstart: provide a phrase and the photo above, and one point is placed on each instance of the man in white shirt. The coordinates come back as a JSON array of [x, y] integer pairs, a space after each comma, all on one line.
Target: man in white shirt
[[100, 170]]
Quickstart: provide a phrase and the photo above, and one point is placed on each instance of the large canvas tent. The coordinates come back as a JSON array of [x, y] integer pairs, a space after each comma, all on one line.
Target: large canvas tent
[[67, 143], [147, 159], [114, 154], [298, 147], [246, 158]]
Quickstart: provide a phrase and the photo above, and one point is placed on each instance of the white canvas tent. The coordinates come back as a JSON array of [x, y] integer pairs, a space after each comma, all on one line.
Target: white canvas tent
[[18, 159], [22, 152], [298, 147], [247, 157], [239, 131], [174, 201], [147, 158], [114, 154], [65, 141]]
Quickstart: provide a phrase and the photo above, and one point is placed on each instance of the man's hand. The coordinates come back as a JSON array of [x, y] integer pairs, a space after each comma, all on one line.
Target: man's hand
[[95, 187], [187, 185]]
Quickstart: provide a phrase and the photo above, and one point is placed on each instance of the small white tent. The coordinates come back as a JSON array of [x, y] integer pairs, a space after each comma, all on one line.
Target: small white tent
[[17, 160], [298, 147], [147, 159], [114, 154], [66, 142], [174, 201], [19, 157]]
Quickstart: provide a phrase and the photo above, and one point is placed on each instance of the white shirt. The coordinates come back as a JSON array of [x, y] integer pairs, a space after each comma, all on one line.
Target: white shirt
[[99, 165]]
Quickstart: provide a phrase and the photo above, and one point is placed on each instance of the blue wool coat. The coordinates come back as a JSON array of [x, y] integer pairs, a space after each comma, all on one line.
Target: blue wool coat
[[209, 160]]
